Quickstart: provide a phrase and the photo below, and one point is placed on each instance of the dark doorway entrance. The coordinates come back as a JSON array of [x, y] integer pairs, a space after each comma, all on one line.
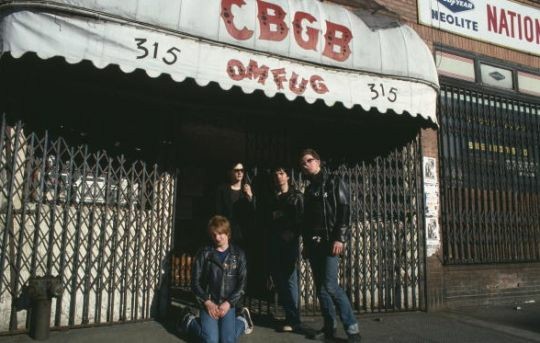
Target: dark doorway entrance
[[198, 130]]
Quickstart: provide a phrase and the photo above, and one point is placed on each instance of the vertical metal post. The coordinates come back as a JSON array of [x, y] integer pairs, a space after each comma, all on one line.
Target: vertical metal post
[[65, 228], [8, 232], [76, 262]]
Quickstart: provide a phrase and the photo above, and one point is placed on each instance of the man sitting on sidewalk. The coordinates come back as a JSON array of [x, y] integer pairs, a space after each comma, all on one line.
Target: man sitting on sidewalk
[[218, 281]]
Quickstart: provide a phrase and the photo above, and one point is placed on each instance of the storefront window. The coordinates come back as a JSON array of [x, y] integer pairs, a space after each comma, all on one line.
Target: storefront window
[[489, 177]]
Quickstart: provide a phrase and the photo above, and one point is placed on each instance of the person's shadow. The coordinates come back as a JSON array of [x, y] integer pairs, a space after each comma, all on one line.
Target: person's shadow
[[163, 310]]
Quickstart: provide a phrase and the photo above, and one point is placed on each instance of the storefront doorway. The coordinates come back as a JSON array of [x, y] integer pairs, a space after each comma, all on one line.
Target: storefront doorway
[[194, 132]]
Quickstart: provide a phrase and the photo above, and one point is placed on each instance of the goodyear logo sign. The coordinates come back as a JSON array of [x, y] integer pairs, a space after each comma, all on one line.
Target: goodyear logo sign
[[457, 6]]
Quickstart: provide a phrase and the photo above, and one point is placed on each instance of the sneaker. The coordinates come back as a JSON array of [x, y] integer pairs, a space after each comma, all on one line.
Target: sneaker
[[186, 316], [286, 328], [246, 316], [354, 338]]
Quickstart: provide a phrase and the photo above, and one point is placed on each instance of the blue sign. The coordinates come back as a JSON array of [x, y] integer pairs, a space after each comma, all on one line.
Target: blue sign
[[457, 5]]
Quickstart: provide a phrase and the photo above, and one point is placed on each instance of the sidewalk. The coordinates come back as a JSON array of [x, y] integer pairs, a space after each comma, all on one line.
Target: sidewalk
[[494, 324]]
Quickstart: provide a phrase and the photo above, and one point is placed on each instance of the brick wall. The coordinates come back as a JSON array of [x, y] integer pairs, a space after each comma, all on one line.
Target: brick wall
[[457, 286], [429, 143], [487, 284], [434, 267]]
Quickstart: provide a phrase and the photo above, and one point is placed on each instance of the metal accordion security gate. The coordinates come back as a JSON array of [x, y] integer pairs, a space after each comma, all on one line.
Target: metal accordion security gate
[[102, 224], [383, 267], [490, 186]]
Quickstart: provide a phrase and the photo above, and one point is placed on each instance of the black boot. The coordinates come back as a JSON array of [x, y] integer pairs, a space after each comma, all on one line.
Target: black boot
[[354, 338], [303, 329], [323, 334]]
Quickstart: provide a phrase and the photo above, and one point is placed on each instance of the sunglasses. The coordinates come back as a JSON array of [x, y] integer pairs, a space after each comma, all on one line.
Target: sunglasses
[[308, 161], [238, 170]]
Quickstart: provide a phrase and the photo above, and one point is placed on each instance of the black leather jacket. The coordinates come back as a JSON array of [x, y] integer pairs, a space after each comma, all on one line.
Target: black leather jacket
[[326, 204], [287, 211], [212, 280]]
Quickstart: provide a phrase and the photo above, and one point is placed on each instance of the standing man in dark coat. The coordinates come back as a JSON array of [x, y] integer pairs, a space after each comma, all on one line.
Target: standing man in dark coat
[[286, 214], [326, 230]]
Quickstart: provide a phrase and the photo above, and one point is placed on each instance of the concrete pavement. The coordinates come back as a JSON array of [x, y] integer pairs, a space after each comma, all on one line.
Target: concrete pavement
[[492, 324]]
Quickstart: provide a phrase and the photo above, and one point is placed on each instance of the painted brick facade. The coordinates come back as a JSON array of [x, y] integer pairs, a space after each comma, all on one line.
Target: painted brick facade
[[468, 285], [432, 36], [488, 284], [407, 12]]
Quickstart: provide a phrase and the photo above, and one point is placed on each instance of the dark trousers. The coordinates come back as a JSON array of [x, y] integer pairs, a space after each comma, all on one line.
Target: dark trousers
[[331, 296], [283, 260]]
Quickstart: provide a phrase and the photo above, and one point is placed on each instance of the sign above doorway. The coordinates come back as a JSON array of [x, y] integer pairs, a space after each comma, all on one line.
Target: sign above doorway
[[318, 51]]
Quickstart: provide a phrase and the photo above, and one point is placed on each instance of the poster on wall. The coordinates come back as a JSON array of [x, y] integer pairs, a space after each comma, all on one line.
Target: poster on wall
[[431, 200], [500, 22], [430, 170], [431, 205], [432, 229], [433, 240]]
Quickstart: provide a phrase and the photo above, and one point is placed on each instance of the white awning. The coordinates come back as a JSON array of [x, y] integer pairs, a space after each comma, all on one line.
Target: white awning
[[300, 48]]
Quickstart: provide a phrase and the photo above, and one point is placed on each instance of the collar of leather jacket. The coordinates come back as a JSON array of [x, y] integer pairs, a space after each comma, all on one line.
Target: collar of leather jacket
[[319, 177], [210, 253]]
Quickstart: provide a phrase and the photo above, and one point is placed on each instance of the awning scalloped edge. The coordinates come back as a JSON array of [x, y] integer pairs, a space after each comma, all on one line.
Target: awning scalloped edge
[[105, 43]]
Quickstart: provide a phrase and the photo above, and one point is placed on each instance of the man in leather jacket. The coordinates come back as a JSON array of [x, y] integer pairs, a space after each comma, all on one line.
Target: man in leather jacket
[[325, 232], [218, 281], [286, 214]]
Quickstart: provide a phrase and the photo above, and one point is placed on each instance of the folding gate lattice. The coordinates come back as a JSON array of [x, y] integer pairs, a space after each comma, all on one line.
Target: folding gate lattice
[[102, 224]]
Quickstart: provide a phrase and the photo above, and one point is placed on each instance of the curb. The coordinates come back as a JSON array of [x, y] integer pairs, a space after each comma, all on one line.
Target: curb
[[520, 333]]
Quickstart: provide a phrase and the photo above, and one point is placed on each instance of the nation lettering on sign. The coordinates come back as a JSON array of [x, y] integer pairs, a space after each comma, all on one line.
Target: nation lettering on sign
[[513, 24]]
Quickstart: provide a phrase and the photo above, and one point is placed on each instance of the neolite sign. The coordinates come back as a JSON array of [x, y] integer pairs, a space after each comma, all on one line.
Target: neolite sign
[[500, 22]]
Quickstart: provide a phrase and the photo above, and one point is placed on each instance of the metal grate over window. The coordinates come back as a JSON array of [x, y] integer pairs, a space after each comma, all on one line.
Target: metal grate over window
[[102, 224], [489, 167]]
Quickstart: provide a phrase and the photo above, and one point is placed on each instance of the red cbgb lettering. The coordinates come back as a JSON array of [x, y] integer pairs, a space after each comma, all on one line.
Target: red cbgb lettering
[[228, 19], [273, 27], [258, 73], [236, 70], [337, 36], [318, 85], [296, 84], [271, 21], [313, 34]]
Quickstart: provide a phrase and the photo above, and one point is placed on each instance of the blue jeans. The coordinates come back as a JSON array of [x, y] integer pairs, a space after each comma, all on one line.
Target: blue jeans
[[222, 330], [284, 257], [325, 274]]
